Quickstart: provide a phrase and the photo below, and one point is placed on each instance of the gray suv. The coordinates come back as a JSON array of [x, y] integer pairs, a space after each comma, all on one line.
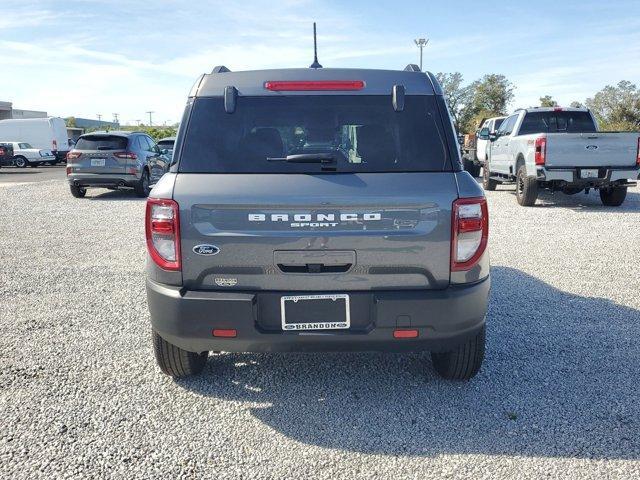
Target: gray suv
[[115, 160], [317, 210]]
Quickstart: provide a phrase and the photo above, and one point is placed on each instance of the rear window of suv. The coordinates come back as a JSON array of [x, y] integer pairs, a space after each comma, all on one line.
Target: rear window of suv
[[557, 121], [361, 133], [101, 142]]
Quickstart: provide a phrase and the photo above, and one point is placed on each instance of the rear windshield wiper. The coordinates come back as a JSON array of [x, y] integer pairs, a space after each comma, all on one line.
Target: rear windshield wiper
[[323, 158]]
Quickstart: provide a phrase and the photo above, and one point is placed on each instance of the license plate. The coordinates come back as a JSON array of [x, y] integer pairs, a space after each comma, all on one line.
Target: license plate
[[315, 312], [589, 173], [97, 162]]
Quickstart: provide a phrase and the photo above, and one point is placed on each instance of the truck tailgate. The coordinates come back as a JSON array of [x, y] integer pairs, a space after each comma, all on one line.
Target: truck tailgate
[[315, 232], [567, 150]]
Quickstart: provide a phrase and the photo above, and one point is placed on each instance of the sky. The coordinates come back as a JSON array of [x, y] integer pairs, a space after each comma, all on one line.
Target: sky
[[88, 57]]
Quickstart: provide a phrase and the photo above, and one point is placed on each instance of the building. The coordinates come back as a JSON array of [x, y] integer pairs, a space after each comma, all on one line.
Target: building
[[8, 112]]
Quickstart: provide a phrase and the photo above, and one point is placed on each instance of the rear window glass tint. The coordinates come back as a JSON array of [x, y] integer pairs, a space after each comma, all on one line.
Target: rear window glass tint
[[101, 142], [551, 122], [361, 132]]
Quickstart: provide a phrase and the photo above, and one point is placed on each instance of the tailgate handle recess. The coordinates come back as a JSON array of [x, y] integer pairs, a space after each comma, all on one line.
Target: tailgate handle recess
[[314, 261]]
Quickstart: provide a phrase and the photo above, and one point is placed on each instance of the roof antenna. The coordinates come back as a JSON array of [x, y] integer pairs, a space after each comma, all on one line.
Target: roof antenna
[[315, 63]]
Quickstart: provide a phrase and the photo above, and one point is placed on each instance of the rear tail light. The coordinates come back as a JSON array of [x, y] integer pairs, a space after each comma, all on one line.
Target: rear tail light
[[127, 155], [638, 153], [540, 155], [470, 232], [317, 85], [73, 155], [163, 233], [225, 333], [69, 170]]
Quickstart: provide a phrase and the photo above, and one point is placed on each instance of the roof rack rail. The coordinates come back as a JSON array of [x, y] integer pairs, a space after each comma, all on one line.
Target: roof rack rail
[[220, 69], [412, 67]]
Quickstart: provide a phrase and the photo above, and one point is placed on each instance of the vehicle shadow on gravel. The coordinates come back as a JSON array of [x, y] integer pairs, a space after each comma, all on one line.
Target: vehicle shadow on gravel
[[113, 195], [584, 203], [560, 379]]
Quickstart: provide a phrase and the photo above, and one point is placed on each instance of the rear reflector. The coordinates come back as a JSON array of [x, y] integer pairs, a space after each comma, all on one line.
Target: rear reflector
[[412, 333], [469, 232], [317, 85], [69, 170], [225, 333], [162, 225]]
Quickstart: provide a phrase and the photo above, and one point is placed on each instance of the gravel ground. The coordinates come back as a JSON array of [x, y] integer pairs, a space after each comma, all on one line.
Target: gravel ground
[[80, 395]]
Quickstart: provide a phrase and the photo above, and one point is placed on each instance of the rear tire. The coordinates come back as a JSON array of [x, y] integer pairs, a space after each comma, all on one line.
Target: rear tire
[[526, 188], [176, 362], [21, 162], [142, 188], [472, 168], [464, 362], [78, 192], [613, 196], [487, 183]]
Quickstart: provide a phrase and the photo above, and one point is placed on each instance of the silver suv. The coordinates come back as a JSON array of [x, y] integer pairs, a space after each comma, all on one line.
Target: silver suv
[[115, 160], [317, 210]]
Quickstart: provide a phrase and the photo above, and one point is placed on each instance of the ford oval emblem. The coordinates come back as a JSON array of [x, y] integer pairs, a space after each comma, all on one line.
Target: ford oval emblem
[[205, 249], [592, 147]]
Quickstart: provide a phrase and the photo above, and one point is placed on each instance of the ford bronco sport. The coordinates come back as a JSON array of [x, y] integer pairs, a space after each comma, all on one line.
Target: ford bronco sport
[[317, 210]]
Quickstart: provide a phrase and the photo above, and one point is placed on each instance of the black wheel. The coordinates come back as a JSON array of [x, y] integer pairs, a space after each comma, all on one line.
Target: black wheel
[[487, 183], [78, 192], [142, 188], [613, 196], [526, 188], [175, 361], [462, 363], [21, 162]]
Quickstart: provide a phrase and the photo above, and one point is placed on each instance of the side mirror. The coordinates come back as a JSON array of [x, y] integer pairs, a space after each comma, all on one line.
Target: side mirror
[[484, 134], [493, 137]]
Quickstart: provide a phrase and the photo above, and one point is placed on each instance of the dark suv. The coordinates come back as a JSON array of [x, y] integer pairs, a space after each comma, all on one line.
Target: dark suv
[[317, 210], [115, 160]]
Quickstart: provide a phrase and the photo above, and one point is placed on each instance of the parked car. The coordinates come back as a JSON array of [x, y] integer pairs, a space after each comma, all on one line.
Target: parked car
[[48, 133], [115, 160], [305, 213], [475, 148], [6, 154], [24, 155], [561, 149], [167, 143]]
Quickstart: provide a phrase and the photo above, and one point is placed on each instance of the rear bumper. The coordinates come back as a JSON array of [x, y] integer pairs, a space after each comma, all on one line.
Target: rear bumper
[[573, 176], [443, 318], [102, 180]]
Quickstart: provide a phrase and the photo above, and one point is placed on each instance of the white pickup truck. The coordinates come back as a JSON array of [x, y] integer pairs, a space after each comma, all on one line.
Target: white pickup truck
[[561, 149]]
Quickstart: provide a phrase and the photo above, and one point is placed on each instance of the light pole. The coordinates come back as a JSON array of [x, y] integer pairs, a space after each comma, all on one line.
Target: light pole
[[115, 118], [421, 43], [150, 122]]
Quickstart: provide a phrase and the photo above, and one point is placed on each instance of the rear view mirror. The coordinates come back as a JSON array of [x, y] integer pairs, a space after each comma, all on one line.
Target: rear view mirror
[[230, 99], [397, 99], [484, 134]]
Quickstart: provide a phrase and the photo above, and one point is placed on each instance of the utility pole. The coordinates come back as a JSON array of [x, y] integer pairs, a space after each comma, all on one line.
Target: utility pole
[[138, 122], [150, 121], [99, 117], [115, 119], [421, 43]]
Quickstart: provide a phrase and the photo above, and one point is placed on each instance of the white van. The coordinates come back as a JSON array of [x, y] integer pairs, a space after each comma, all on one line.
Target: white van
[[43, 133]]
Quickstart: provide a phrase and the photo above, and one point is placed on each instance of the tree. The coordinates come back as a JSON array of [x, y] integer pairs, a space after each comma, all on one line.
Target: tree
[[617, 108], [548, 101], [458, 97], [576, 104], [71, 122], [492, 93]]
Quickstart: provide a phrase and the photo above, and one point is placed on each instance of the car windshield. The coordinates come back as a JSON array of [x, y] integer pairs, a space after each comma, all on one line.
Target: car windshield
[[101, 142], [498, 123], [307, 134], [557, 121]]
